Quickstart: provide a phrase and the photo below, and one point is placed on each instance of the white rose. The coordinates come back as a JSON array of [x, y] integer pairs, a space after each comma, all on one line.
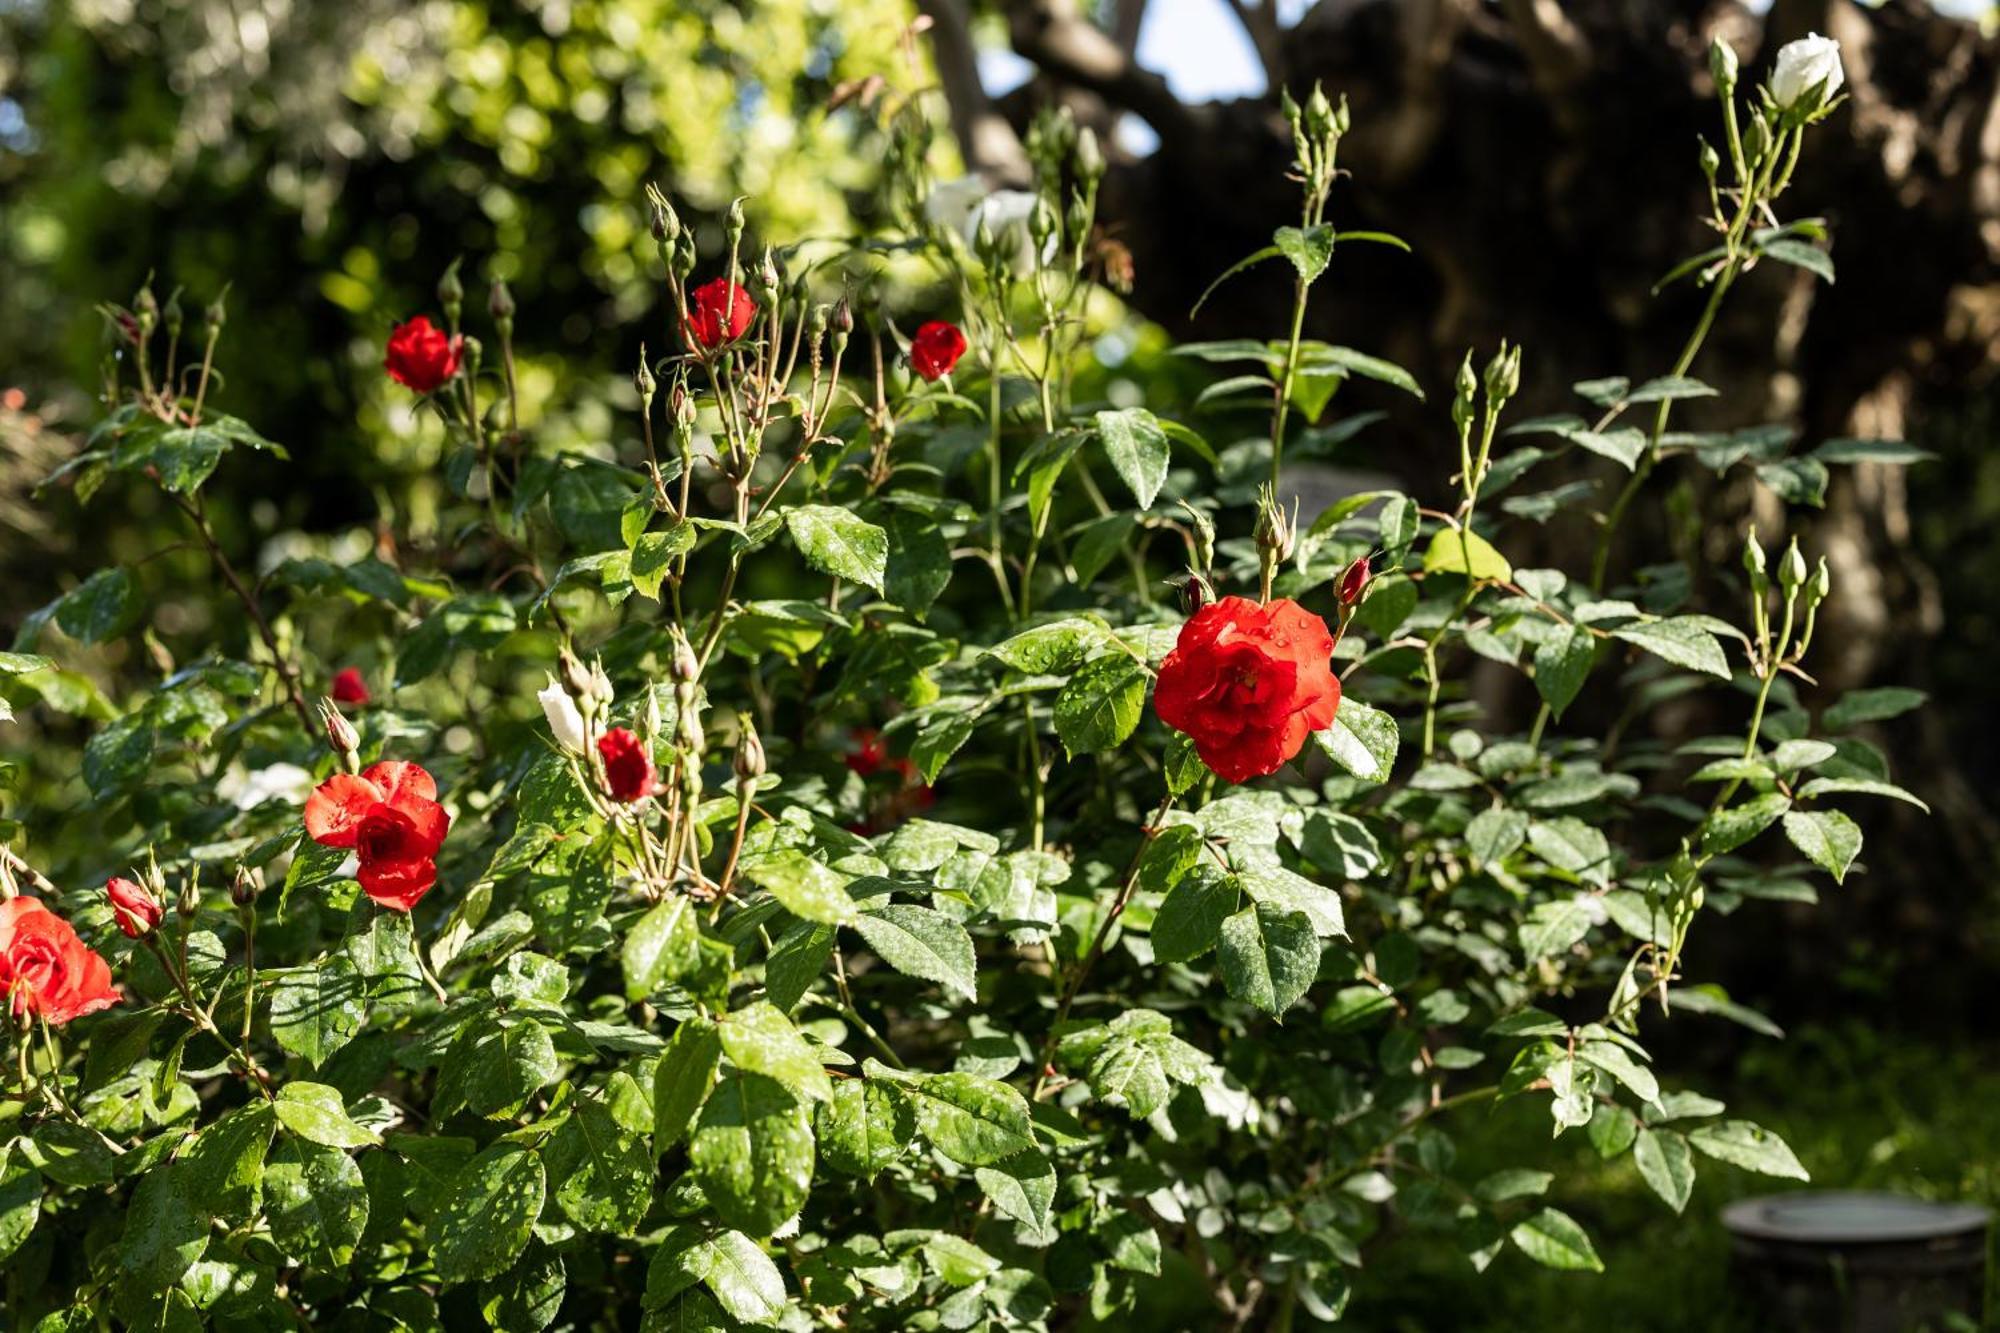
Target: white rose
[[565, 723], [952, 204], [279, 782], [1804, 65]]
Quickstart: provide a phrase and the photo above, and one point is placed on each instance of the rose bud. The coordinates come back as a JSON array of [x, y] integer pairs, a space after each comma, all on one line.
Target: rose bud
[[1354, 582], [749, 754], [628, 769], [249, 882], [137, 912], [719, 312], [1807, 74], [422, 356], [1195, 592], [349, 687], [340, 734], [565, 722], [936, 349]]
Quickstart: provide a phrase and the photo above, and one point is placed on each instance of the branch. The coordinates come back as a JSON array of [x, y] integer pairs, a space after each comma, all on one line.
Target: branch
[[1052, 35], [985, 139]]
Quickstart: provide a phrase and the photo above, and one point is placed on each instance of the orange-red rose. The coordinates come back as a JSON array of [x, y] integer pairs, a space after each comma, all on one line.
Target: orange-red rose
[[936, 349], [422, 356], [45, 969], [391, 818], [1249, 683], [718, 312], [628, 769]]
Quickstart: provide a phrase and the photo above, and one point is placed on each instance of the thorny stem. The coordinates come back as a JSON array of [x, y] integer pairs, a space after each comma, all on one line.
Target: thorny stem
[[287, 673]]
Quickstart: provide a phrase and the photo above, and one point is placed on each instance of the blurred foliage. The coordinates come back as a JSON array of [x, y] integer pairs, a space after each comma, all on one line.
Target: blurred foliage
[[327, 161]]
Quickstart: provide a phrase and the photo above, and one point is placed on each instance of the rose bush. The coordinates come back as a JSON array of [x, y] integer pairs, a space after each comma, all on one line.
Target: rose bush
[[865, 849]]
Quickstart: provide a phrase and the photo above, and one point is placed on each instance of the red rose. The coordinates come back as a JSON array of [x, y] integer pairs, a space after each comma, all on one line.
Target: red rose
[[45, 969], [349, 687], [391, 818], [720, 312], [137, 911], [421, 355], [1249, 683], [628, 769], [936, 349]]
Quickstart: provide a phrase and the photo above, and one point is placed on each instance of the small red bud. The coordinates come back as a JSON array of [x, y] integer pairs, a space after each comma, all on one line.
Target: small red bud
[[1354, 582]]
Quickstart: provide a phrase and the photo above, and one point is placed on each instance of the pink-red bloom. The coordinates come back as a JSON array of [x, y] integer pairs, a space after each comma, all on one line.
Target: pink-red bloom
[[628, 769], [719, 311], [1249, 683], [133, 907], [45, 969], [936, 349], [349, 687], [422, 356], [390, 816]]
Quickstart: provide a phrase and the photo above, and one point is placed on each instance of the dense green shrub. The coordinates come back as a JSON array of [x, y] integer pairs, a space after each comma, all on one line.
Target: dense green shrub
[[842, 941]]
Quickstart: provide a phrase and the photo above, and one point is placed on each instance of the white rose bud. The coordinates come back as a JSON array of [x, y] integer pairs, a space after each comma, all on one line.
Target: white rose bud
[[1802, 66], [565, 722]]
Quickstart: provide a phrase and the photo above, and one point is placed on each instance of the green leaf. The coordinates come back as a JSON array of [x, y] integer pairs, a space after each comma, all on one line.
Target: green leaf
[[1683, 640], [1023, 1188], [1553, 1239], [1741, 1143], [759, 1039], [923, 943], [1514, 1183], [1189, 921], [654, 553], [315, 1112], [527, 1297], [1859, 706], [919, 562], [663, 945], [743, 1279], [1802, 255], [1058, 646], [487, 1218], [752, 1153], [1670, 388], [683, 1077], [1310, 250], [835, 542], [1858, 787], [20, 1204], [1495, 834], [973, 1120], [317, 1009], [1138, 449], [1362, 740], [806, 888], [796, 961], [225, 1167], [865, 1126], [1466, 552], [1351, 362], [101, 608], [1269, 957], [1871, 451], [1572, 845], [165, 1230], [604, 1176], [1828, 838], [317, 1203], [1562, 664], [1726, 830], [1552, 927], [1799, 481], [1101, 704], [1666, 1163]]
